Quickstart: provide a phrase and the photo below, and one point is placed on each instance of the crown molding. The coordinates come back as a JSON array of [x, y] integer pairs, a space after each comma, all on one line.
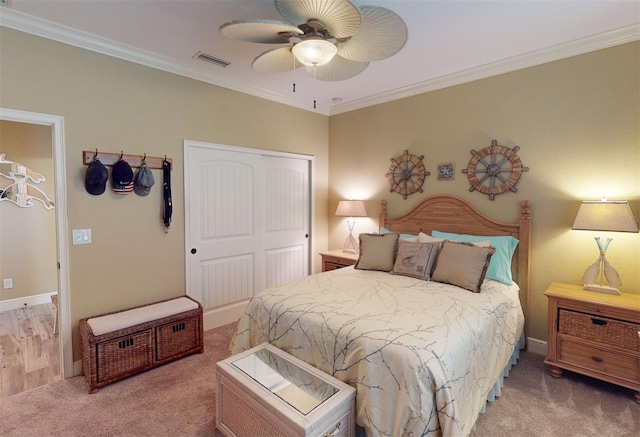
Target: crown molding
[[561, 51], [56, 32], [64, 34]]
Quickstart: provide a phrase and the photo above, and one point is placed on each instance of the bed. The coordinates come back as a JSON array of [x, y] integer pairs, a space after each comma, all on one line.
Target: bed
[[423, 353]]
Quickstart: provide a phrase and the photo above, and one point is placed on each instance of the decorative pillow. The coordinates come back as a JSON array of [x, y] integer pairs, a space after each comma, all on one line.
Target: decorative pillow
[[377, 252], [500, 266], [415, 259], [462, 264], [405, 237]]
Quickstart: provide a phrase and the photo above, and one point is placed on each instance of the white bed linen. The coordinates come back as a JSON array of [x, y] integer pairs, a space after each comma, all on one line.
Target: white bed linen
[[423, 356]]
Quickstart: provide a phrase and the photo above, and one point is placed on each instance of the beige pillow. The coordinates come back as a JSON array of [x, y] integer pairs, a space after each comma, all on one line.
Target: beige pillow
[[415, 259], [462, 264], [377, 252]]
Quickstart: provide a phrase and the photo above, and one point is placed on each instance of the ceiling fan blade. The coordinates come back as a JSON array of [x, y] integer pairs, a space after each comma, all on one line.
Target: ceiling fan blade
[[338, 69], [340, 17], [275, 61], [263, 31], [381, 35]]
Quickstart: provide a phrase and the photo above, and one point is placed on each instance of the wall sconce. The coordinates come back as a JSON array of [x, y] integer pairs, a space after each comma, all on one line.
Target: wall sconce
[[610, 216], [351, 208]]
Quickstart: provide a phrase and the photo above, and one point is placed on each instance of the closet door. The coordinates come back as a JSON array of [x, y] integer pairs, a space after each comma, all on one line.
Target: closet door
[[285, 207], [247, 221]]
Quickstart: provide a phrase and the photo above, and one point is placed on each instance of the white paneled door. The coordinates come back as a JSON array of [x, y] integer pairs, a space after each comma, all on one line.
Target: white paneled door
[[248, 221]]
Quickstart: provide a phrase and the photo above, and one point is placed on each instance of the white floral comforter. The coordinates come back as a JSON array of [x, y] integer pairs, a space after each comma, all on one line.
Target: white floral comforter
[[422, 355]]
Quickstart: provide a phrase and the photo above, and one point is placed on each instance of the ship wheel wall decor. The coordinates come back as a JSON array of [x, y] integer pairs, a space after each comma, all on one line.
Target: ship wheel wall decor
[[406, 174], [494, 170]]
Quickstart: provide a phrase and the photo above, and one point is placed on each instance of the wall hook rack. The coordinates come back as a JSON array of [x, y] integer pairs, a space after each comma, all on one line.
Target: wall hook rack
[[153, 162]]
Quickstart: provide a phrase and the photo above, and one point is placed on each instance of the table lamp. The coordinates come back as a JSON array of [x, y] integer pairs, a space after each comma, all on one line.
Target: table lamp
[[610, 216], [351, 208]]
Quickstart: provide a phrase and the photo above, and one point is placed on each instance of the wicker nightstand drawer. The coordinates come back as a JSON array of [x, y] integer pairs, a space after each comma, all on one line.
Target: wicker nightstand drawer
[[599, 360], [600, 329], [337, 259], [328, 266]]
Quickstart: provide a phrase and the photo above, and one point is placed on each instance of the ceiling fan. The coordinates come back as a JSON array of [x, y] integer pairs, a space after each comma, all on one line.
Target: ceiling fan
[[333, 39]]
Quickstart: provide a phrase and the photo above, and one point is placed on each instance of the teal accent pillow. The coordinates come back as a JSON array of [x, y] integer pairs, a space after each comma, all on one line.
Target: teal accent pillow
[[500, 265], [410, 237]]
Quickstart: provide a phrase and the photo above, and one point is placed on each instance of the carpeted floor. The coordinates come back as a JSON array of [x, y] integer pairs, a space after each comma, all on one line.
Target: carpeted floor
[[534, 404], [178, 399]]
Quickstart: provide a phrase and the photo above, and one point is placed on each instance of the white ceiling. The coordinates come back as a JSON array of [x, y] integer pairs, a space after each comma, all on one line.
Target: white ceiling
[[450, 41]]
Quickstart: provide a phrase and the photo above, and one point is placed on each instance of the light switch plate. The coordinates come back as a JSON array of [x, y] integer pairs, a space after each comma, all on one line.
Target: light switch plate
[[81, 236]]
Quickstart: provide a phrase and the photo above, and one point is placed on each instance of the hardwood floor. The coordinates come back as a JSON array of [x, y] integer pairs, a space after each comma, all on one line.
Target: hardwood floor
[[29, 350]]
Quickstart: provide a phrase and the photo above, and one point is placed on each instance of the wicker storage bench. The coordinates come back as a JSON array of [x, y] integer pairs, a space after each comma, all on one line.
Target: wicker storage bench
[[124, 343]]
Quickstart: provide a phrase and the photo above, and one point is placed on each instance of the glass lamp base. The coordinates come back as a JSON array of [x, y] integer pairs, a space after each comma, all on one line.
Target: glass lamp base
[[350, 244]]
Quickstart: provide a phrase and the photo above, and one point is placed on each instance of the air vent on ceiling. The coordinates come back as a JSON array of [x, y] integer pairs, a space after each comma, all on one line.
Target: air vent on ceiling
[[210, 58]]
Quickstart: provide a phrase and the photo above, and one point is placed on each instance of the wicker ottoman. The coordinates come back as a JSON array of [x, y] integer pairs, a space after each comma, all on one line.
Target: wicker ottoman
[[124, 343]]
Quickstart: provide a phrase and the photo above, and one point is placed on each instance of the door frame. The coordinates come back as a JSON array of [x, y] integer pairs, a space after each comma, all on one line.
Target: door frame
[[238, 308], [56, 122]]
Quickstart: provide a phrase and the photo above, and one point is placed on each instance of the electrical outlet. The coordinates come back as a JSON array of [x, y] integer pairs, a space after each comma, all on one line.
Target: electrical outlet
[[7, 283], [81, 236]]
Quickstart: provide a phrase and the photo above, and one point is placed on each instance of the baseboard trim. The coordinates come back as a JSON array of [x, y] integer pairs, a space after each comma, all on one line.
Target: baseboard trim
[[215, 317], [21, 302], [77, 368], [536, 346]]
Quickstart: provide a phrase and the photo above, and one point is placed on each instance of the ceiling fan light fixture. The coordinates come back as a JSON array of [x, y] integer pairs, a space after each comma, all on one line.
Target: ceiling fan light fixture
[[314, 52]]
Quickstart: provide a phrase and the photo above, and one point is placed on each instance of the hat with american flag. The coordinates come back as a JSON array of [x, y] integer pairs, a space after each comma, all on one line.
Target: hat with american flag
[[122, 177]]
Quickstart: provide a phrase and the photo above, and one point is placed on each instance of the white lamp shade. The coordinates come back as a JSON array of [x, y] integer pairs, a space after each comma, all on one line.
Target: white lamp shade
[[351, 208], [612, 216], [313, 52]]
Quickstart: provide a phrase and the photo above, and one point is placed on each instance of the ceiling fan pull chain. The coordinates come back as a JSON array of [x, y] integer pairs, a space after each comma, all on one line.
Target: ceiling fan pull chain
[[293, 58]]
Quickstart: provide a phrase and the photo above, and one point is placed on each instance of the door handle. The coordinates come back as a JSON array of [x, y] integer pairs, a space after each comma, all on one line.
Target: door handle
[[193, 250]]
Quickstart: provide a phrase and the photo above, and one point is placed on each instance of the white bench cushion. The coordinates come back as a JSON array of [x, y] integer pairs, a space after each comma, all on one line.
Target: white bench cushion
[[124, 319]]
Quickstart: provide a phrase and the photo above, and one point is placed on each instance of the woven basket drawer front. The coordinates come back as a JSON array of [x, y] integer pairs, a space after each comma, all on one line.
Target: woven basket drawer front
[[601, 329], [124, 355], [177, 337], [242, 419], [606, 362]]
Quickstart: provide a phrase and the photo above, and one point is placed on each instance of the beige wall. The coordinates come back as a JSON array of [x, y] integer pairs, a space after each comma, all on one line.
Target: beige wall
[[114, 105], [577, 123], [27, 235]]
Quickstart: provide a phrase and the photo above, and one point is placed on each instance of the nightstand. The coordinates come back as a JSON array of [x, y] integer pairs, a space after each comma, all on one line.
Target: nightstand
[[594, 334], [337, 259]]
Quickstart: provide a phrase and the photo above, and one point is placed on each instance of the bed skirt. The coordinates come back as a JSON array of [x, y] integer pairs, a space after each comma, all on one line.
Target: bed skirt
[[497, 388]]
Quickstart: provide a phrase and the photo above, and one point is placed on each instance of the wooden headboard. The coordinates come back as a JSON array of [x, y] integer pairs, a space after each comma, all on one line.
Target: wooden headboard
[[453, 214]]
